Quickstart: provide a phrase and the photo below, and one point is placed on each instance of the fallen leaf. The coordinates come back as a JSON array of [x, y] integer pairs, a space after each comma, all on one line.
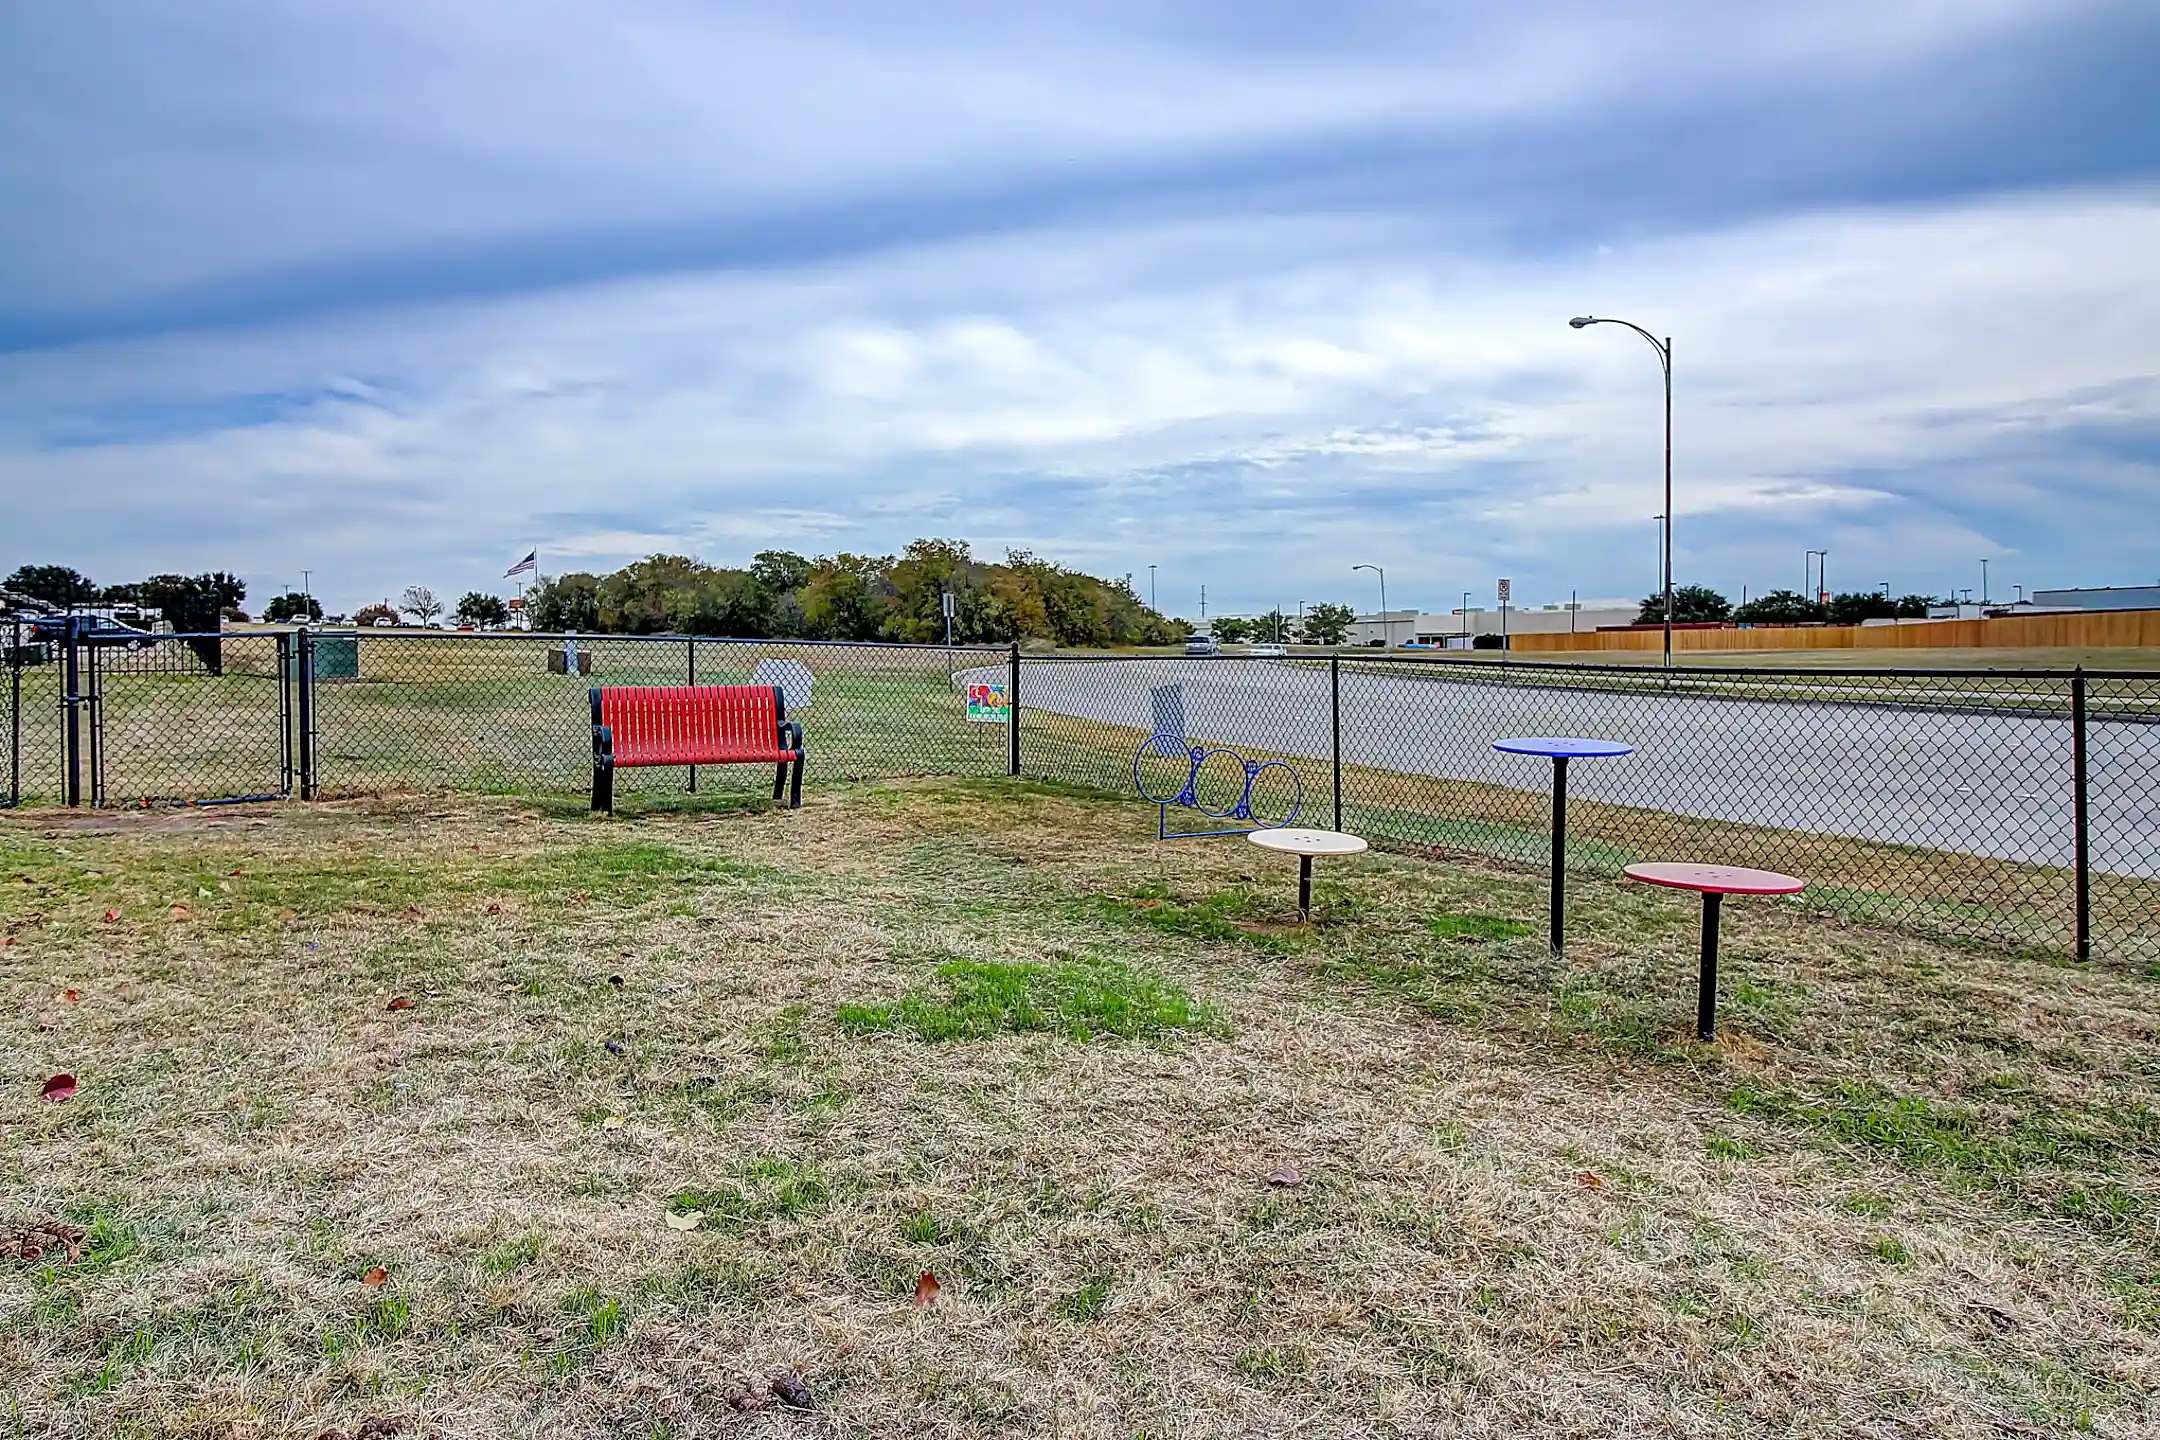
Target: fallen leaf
[[399, 1002], [1287, 1178], [41, 1238], [60, 1087], [1589, 1180], [71, 996], [111, 915], [685, 1219], [236, 870], [376, 1276], [179, 911], [4, 943], [613, 1122], [582, 896], [616, 981], [926, 1292], [412, 912], [493, 909], [2003, 1321], [792, 1391]]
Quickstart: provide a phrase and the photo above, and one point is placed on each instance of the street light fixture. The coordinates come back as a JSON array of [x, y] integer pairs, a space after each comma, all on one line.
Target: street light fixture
[[1664, 352], [1387, 625]]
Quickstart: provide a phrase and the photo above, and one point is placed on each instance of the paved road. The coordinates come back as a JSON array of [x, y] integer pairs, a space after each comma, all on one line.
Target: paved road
[[1996, 785]]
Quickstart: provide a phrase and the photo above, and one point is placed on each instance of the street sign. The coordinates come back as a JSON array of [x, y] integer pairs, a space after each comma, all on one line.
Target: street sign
[[948, 605], [1504, 587]]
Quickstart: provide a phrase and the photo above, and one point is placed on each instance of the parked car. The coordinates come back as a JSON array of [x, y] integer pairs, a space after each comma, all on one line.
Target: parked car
[[1272, 652], [1202, 645], [94, 629]]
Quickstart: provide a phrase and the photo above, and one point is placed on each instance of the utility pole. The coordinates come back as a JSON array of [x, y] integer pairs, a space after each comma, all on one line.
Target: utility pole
[[1466, 616], [1151, 588], [1203, 604], [1983, 580]]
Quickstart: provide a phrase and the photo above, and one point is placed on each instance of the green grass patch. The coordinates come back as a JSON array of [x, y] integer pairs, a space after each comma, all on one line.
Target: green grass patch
[[1087, 1304], [771, 1187], [1925, 1133], [1080, 999], [1478, 927]]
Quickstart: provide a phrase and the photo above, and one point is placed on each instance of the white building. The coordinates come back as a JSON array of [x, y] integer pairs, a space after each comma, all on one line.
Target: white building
[[1397, 627]]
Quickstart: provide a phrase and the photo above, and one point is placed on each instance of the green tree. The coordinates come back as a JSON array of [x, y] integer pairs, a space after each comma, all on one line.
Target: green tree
[[1274, 627], [1857, 605], [197, 605], [653, 596], [782, 572], [1328, 624], [731, 603], [846, 597], [60, 585], [369, 614], [292, 605], [1912, 607], [1779, 607], [564, 602], [1692, 605], [477, 607], [1232, 630]]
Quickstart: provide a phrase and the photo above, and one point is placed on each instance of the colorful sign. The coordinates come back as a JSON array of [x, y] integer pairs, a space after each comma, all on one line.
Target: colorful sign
[[989, 704], [1505, 587]]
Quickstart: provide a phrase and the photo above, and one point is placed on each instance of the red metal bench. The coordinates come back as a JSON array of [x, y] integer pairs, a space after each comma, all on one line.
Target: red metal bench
[[634, 725]]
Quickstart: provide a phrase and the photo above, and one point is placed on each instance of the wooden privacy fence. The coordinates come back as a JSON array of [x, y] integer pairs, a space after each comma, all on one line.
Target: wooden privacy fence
[[2083, 627]]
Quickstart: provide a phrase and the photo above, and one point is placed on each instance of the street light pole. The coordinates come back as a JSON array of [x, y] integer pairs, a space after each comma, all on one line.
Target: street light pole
[[1466, 615], [1664, 352], [1983, 580], [1151, 588], [1387, 625]]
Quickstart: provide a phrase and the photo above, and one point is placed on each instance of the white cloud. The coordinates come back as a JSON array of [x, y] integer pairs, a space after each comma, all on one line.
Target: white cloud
[[1912, 383]]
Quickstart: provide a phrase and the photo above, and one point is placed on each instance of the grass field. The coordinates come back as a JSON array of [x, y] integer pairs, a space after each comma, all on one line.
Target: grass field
[[482, 714], [687, 1101]]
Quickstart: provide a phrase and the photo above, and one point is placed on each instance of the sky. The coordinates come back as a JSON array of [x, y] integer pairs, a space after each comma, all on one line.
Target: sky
[[394, 292]]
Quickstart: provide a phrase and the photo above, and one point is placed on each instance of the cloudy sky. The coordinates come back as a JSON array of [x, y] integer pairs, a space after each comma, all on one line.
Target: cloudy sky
[[1252, 292]]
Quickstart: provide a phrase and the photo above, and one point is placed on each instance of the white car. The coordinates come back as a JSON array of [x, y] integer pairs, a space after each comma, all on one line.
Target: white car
[[1272, 652], [1202, 645]]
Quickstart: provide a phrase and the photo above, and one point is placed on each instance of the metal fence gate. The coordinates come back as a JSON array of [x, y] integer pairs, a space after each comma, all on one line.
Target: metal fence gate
[[193, 719]]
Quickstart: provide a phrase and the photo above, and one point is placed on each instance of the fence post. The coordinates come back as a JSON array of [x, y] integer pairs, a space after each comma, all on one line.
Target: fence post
[[288, 680], [1012, 714], [15, 669], [307, 713], [1334, 666], [2081, 826], [71, 700], [690, 670]]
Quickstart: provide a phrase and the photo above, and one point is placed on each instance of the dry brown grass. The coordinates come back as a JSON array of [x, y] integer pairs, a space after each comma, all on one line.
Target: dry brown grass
[[1911, 1192]]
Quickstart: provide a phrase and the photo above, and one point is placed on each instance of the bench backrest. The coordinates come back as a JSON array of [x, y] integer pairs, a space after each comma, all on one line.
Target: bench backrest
[[688, 723]]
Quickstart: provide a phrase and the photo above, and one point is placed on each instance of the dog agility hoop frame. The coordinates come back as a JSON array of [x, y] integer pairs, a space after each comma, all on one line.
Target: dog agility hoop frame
[[1188, 794]]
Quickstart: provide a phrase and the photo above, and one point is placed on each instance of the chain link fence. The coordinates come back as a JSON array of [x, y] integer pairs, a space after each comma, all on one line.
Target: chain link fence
[[204, 719], [1964, 804], [2019, 809]]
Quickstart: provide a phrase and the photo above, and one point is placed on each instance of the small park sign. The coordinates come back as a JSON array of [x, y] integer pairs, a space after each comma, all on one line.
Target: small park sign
[[989, 704]]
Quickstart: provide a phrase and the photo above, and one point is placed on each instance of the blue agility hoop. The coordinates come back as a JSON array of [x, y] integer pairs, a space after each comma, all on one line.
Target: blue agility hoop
[[1187, 796]]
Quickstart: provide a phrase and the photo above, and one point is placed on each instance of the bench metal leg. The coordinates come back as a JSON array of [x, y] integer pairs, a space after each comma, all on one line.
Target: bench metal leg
[[795, 792], [1706, 982], [779, 781], [603, 789]]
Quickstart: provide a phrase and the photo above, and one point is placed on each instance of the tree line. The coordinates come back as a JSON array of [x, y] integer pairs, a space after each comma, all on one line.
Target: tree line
[[1701, 605], [783, 595]]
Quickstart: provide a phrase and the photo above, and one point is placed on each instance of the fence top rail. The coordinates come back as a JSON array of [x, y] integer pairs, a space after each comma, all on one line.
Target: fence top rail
[[1738, 673], [587, 637]]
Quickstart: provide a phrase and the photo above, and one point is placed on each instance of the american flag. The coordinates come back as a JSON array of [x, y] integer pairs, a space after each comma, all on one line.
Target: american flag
[[529, 563]]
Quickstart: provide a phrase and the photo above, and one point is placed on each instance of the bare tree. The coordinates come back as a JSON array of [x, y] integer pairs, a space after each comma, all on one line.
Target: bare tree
[[420, 603]]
